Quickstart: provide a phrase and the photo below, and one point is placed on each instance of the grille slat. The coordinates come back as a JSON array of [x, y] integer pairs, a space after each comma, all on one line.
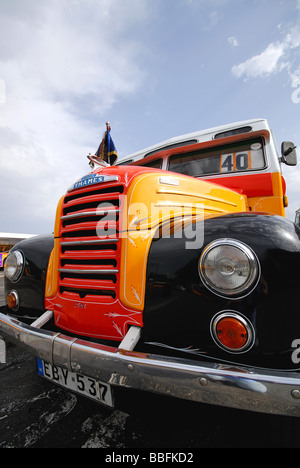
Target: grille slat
[[94, 203], [80, 283], [82, 293], [78, 262], [87, 247], [90, 213], [89, 242], [106, 192], [102, 232], [86, 218]]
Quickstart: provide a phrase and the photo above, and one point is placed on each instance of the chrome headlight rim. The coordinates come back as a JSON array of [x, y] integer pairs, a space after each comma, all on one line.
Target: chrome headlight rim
[[253, 279], [17, 269]]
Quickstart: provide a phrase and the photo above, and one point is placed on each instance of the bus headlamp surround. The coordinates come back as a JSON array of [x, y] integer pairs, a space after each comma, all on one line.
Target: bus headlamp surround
[[229, 268], [14, 265]]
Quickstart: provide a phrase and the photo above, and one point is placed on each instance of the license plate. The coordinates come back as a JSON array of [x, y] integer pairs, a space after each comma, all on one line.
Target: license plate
[[78, 383]]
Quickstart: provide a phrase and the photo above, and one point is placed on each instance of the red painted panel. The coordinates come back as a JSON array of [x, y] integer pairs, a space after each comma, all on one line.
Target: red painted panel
[[252, 185], [87, 301]]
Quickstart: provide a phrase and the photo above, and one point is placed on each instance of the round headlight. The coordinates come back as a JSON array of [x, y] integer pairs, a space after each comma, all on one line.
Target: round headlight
[[229, 268], [14, 264]]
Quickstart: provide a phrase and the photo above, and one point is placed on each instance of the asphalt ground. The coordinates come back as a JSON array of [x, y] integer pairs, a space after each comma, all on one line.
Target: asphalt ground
[[34, 413]]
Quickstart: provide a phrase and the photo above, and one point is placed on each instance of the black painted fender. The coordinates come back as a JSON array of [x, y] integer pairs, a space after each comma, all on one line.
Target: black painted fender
[[179, 308], [31, 285]]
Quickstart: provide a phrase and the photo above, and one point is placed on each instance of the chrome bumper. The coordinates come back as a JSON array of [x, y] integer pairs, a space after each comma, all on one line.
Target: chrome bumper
[[242, 388]]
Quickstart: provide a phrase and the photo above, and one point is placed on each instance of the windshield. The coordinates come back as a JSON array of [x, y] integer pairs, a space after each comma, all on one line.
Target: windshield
[[240, 157]]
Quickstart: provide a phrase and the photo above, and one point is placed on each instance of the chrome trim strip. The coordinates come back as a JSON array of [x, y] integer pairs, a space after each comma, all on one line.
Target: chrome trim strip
[[251, 389], [69, 270], [89, 213], [87, 242]]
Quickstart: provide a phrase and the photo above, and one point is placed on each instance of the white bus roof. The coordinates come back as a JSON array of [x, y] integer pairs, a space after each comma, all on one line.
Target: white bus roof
[[11, 238], [198, 137], [15, 235]]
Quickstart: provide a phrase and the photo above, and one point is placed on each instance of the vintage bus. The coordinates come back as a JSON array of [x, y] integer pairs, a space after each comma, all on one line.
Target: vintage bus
[[174, 272]]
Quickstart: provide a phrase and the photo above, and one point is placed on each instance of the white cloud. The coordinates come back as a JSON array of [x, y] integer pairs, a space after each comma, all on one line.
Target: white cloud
[[63, 64], [210, 11], [233, 41], [2, 92], [263, 64], [74, 49], [292, 39], [275, 58]]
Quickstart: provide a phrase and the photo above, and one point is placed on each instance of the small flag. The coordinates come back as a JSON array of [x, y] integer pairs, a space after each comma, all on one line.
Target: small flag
[[107, 150]]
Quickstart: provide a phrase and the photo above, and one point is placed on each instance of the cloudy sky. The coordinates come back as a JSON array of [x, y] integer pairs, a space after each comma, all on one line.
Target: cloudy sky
[[153, 68]]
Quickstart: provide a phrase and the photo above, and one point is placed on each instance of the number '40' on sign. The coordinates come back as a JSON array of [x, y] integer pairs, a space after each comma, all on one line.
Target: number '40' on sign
[[235, 162]]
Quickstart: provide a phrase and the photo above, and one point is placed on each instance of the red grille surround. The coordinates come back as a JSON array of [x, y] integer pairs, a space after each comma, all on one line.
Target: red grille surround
[[87, 300]]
